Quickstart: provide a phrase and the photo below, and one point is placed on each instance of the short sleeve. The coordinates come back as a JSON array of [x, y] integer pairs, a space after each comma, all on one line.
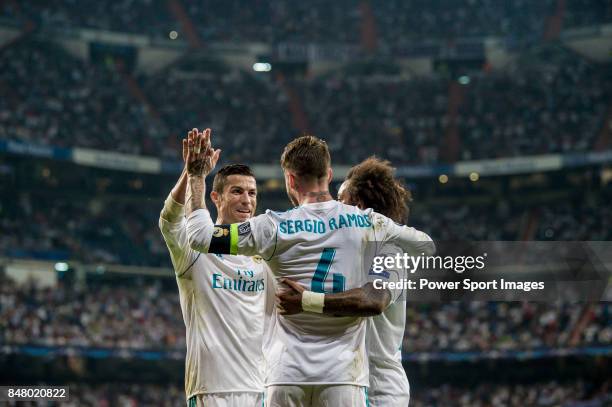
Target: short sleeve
[[409, 239], [257, 236]]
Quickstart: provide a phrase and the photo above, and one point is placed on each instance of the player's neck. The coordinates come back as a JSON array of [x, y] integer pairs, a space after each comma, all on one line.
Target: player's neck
[[227, 220], [224, 220], [315, 196]]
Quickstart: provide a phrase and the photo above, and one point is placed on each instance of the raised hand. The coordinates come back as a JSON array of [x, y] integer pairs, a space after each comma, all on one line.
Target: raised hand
[[201, 158]]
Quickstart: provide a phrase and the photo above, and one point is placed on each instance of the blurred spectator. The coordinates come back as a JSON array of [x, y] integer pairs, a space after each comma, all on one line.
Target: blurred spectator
[[52, 98], [553, 107], [124, 231], [486, 326], [545, 394], [93, 231], [149, 317], [249, 116], [49, 97], [398, 22], [144, 317]]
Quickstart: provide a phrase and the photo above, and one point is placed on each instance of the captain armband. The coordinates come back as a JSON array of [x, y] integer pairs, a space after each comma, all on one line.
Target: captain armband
[[224, 239]]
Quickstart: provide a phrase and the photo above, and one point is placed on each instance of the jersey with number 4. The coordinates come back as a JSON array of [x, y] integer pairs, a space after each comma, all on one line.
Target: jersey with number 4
[[320, 246]]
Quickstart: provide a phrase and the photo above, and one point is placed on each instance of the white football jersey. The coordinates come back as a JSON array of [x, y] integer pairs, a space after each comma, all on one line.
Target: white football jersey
[[223, 302], [385, 333], [320, 246]]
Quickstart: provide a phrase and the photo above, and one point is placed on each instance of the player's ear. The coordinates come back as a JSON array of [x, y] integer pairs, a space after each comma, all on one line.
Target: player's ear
[[214, 196], [292, 181], [330, 175]]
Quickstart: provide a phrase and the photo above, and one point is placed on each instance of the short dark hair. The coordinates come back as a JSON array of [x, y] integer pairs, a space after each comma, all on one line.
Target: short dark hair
[[373, 183], [226, 171], [307, 156]]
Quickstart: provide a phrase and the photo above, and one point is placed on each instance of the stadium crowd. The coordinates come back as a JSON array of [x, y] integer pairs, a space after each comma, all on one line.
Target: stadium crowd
[[558, 106], [49, 97], [573, 394], [532, 110], [576, 218], [397, 22], [124, 231], [249, 116], [564, 221], [148, 317], [485, 326], [93, 233], [100, 315], [542, 394]]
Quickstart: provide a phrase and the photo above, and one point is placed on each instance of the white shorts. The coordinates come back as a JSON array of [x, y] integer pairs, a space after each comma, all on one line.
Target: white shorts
[[234, 399], [323, 395], [389, 400]]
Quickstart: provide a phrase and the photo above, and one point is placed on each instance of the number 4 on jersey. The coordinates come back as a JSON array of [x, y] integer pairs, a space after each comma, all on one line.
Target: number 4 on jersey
[[320, 275]]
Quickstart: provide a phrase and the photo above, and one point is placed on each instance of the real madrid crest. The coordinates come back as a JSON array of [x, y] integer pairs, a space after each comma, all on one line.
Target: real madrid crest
[[220, 232]]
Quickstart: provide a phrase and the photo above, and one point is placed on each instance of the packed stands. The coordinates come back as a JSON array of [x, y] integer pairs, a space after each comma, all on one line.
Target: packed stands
[[574, 394], [487, 326], [147, 316], [50, 97], [248, 115], [397, 22], [93, 231], [542, 394], [124, 231], [101, 315]]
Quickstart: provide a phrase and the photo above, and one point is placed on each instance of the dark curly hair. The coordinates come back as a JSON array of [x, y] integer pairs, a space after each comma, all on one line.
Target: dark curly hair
[[372, 182]]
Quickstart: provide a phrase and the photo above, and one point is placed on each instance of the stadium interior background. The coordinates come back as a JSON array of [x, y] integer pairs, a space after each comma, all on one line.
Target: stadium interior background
[[497, 114]]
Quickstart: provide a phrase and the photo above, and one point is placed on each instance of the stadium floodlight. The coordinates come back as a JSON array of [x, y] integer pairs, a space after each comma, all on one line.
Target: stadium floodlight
[[262, 67], [61, 266], [474, 176], [173, 35], [443, 179], [464, 80]]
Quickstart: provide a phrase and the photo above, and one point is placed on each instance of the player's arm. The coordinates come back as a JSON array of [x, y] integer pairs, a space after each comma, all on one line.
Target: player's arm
[[172, 221], [257, 236], [200, 160], [364, 301]]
